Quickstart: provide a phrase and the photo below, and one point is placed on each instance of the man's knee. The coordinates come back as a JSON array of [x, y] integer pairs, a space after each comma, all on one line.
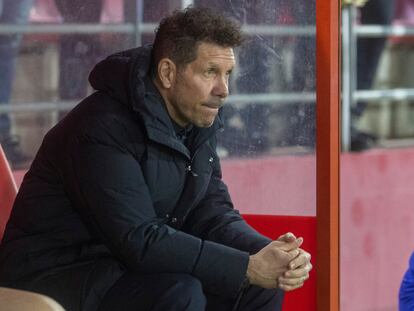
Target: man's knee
[[156, 292], [257, 298], [186, 293]]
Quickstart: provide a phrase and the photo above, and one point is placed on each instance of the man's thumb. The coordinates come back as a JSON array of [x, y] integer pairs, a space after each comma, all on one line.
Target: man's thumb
[[287, 247]]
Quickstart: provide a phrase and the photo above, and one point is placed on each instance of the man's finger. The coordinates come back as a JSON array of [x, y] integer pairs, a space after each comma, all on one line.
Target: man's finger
[[303, 259], [285, 256], [290, 245], [292, 281], [287, 237], [298, 273]]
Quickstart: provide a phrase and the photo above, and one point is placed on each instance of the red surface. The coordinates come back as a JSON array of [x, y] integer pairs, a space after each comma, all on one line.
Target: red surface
[[8, 191], [274, 226], [377, 227]]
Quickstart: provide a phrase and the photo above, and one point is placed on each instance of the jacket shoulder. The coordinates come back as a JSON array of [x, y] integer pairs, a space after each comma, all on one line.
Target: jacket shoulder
[[101, 119]]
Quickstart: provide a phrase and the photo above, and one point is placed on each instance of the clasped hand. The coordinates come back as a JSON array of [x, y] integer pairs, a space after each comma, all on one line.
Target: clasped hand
[[281, 264]]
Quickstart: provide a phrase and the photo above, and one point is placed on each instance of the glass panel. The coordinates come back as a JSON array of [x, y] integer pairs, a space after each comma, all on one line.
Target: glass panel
[[376, 186], [269, 115], [272, 104], [383, 112], [271, 111]]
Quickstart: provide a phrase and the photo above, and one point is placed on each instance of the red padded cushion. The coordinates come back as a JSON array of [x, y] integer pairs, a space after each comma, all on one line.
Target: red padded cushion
[[8, 191], [302, 226]]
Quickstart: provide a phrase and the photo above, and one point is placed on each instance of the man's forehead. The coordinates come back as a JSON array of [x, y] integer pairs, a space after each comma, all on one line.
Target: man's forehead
[[213, 52]]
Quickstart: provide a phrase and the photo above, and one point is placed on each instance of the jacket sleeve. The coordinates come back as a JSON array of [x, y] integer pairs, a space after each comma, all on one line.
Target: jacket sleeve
[[406, 294], [215, 219], [105, 182]]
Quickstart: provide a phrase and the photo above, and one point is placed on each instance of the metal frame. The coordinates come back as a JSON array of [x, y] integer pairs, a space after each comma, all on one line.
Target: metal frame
[[239, 100], [132, 28], [137, 29], [327, 153], [349, 73]]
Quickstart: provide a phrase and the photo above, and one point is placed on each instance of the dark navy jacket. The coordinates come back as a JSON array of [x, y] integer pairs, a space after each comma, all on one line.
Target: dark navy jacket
[[112, 180]]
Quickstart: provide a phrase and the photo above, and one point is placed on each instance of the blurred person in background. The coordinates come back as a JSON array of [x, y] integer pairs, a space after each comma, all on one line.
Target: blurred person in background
[[15, 12], [369, 50], [406, 295], [399, 69], [124, 206], [77, 52]]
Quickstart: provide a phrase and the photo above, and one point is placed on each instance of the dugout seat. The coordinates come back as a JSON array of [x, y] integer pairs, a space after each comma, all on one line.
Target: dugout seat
[[8, 191], [13, 299]]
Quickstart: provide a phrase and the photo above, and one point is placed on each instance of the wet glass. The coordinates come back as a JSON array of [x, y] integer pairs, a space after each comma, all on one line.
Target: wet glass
[[382, 115], [269, 115], [376, 183]]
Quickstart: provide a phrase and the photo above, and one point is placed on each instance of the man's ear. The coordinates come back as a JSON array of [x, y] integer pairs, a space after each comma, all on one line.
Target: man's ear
[[167, 72]]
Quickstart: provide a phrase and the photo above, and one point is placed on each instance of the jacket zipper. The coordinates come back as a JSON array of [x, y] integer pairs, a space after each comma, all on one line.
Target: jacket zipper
[[189, 166]]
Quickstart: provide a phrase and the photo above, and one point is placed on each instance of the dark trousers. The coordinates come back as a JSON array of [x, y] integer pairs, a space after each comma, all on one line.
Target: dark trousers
[[105, 285], [180, 292]]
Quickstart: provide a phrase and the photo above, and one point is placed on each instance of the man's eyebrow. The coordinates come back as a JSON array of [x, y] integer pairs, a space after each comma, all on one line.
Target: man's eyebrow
[[216, 66], [212, 65]]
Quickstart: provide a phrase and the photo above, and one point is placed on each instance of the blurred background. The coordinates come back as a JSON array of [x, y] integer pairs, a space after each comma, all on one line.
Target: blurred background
[[48, 47]]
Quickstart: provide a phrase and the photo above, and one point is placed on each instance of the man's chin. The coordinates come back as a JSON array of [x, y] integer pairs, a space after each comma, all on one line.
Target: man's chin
[[205, 123]]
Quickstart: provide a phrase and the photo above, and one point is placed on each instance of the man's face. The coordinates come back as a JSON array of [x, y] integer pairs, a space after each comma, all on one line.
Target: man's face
[[201, 86]]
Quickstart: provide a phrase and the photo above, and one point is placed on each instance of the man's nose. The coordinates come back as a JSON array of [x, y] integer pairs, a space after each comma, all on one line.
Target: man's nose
[[221, 87]]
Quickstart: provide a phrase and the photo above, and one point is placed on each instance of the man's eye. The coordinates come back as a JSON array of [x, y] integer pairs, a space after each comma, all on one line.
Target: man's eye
[[210, 71]]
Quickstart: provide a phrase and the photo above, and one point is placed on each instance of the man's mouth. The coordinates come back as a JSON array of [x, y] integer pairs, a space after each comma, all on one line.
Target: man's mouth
[[213, 105]]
